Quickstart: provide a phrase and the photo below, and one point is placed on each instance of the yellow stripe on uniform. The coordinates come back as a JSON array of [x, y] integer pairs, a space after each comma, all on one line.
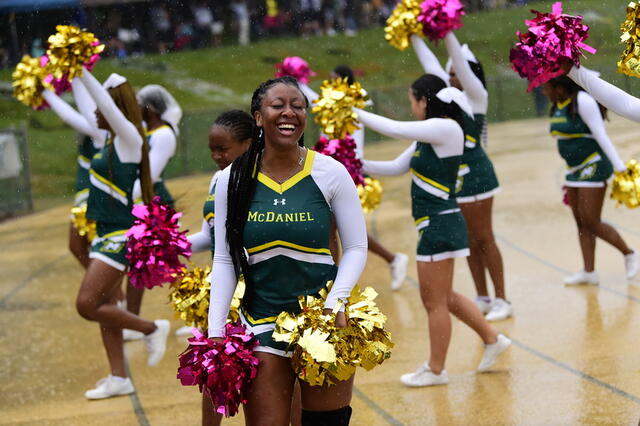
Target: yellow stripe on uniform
[[209, 216], [115, 233], [563, 105], [422, 219], [430, 181], [289, 183], [570, 135], [470, 138], [289, 245], [108, 183], [260, 321]]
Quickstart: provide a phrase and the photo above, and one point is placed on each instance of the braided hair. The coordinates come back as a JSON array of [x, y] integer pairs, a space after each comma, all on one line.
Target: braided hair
[[243, 179], [238, 123]]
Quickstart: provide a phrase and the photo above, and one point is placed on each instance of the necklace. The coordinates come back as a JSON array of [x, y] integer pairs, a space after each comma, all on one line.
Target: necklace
[[292, 172]]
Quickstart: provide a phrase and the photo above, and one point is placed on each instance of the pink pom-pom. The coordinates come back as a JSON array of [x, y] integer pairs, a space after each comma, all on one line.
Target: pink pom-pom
[[295, 67], [93, 59], [344, 151], [155, 245], [222, 370], [60, 85], [440, 17], [552, 38]]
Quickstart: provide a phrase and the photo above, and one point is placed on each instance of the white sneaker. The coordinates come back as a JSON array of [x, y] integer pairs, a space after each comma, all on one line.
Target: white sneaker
[[129, 335], [398, 270], [483, 304], [491, 352], [423, 376], [632, 264], [156, 342], [582, 278], [500, 310], [110, 386], [184, 331]]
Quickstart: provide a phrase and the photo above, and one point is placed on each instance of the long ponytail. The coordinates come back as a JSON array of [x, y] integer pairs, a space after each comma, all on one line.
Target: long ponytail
[[125, 99]]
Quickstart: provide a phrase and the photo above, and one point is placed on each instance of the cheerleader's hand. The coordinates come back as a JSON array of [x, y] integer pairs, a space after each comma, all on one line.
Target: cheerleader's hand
[[341, 319]]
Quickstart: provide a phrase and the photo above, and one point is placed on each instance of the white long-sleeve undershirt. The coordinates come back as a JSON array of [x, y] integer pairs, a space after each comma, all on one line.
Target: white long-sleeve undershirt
[[127, 140], [162, 146], [341, 195], [445, 135], [201, 241], [590, 113], [612, 97], [428, 59], [398, 166], [472, 87], [73, 118]]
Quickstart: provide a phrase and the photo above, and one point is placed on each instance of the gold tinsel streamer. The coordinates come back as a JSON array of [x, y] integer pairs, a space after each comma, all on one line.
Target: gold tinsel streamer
[[626, 186], [69, 49], [189, 297], [334, 109], [629, 62], [370, 194], [324, 354], [85, 227], [402, 23], [27, 82]]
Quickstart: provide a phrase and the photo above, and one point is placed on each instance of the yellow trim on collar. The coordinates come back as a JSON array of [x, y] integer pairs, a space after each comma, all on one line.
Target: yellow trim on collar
[[563, 105], [150, 132], [293, 180]]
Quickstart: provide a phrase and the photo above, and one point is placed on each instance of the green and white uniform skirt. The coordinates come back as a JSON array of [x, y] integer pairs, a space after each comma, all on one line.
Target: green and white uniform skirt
[[594, 172], [442, 236], [110, 246]]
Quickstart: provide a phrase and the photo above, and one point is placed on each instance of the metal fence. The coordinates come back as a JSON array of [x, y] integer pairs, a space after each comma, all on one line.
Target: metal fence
[[15, 182]]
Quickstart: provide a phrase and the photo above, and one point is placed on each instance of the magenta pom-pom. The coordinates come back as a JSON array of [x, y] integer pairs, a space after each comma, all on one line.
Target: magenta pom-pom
[[222, 370], [552, 38], [344, 151], [155, 245], [440, 17], [296, 67]]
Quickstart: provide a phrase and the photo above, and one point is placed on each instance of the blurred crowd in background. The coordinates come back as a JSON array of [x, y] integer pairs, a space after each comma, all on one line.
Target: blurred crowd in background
[[134, 28]]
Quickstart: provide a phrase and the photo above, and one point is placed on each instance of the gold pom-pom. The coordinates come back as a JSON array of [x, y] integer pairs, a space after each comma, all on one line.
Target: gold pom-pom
[[333, 110], [402, 23], [189, 297], [323, 353], [370, 194], [27, 82], [85, 227], [626, 185], [190, 293], [71, 49], [629, 62]]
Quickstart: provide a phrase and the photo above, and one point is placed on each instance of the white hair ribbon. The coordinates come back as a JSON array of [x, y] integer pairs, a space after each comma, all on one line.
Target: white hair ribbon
[[451, 94], [114, 80], [160, 100], [466, 53]]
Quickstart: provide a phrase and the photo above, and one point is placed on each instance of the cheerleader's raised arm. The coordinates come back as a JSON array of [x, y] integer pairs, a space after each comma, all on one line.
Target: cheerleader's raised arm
[[428, 59], [442, 133], [128, 142], [472, 87], [615, 99], [72, 117]]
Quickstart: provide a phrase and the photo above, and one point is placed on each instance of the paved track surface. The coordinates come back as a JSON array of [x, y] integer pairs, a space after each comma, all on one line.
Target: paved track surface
[[575, 358]]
